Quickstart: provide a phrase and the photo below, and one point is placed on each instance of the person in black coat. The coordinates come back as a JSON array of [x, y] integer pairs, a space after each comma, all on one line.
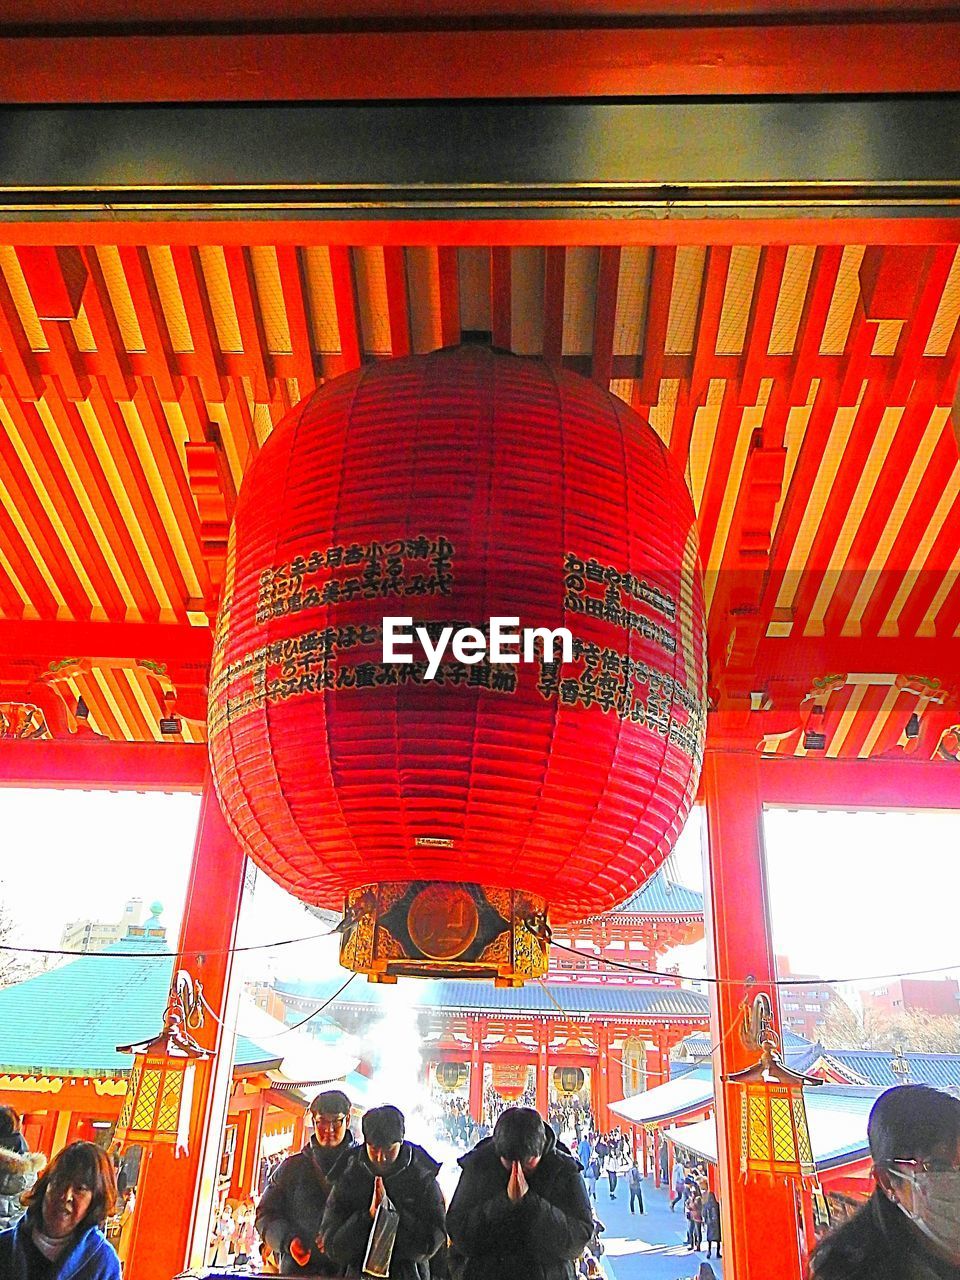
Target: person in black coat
[[520, 1211], [909, 1229], [291, 1208], [386, 1167]]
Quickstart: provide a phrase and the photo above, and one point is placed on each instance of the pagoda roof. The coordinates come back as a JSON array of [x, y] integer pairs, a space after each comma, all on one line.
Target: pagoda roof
[[661, 896], [69, 1020], [836, 1115], [602, 999]]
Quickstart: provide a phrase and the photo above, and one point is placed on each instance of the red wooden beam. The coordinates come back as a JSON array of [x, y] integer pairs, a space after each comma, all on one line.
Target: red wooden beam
[[93, 765], [449, 273], [178, 493], [112, 358], [912, 531], [573, 59], [882, 500], [203, 330], [822, 553], [763, 309], [398, 307], [56, 277], [178, 647], [801, 782], [345, 301], [501, 297], [18, 360], [98, 491], [658, 317], [160, 360], [605, 315], [559, 232], [797, 662], [61, 491], [554, 274], [708, 320], [249, 319]]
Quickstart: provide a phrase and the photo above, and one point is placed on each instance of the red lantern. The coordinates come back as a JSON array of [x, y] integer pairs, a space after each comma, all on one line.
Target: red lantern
[[510, 1079], [454, 489]]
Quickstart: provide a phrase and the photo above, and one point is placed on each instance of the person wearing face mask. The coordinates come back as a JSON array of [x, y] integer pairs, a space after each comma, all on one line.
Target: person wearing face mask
[[60, 1237], [520, 1210], [909, 1229], [386, 1168], [291, 1209]]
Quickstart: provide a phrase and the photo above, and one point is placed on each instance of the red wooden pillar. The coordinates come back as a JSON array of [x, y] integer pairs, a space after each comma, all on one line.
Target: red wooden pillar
[[656, 1157], [543, 1069], [603, 1117], [174, 1195], [759, 1220], [476, 1070]]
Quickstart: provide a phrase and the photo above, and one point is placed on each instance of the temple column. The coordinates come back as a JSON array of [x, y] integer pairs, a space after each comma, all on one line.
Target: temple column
[[543, 1069], [476, 1070], [602, 1115], [656, 1157], [760, 1229], [165, 1242]]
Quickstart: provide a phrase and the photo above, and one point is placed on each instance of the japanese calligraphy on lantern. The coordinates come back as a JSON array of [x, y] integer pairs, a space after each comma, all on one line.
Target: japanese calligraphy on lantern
[[399, 567], [580, 575]]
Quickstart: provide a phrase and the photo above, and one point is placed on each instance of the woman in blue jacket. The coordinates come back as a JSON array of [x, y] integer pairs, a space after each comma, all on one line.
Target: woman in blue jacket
[[60, 1236]]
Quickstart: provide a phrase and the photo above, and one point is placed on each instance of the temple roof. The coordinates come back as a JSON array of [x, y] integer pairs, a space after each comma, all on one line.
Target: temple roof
[[603, 999], [661, 896], [690, 1092], [875, 1066], [69, 1020]]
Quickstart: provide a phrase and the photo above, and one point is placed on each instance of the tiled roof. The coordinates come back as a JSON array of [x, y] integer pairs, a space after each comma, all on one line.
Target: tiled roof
[[635, 999], [689, 1092], [69, 1020], [660, 896], [700, 1045], [942, 1070], [837, 1116]]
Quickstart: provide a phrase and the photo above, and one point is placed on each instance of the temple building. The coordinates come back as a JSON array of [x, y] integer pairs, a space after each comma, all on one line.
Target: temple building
[[607, 1014]]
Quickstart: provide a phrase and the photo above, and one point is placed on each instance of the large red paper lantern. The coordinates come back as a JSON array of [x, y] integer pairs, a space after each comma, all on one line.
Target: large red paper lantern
[[452, 489]]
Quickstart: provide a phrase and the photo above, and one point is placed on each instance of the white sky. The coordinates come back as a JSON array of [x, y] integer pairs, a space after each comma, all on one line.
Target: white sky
[[851, 894]]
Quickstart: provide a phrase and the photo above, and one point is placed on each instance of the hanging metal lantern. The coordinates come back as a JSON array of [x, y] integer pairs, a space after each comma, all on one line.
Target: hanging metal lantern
[[157, 1107], [450, 1076], [774, 1136], [568, 1080], [444, 806]]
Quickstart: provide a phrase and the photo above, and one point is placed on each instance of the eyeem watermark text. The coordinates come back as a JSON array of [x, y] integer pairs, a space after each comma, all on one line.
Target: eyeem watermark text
[[506, 642]]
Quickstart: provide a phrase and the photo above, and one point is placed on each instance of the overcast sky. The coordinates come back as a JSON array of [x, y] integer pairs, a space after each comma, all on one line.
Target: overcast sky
[[852, 895]]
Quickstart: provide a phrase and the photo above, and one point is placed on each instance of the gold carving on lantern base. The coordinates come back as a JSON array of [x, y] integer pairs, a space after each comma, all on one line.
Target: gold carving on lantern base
[[428, 928]]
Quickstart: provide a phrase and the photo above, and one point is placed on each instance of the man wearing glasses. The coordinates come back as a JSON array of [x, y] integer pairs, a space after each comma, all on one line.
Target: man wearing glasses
[[291, 1210]]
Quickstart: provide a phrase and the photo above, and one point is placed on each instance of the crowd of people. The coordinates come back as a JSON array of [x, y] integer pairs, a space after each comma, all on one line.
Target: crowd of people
[[700, 1206], [522, 1207]]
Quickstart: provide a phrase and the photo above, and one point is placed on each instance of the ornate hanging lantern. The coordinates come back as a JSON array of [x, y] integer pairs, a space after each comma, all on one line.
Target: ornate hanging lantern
[[568, 1080], [159, 1098], [451, 1076], [448, 804], [774, 1137]]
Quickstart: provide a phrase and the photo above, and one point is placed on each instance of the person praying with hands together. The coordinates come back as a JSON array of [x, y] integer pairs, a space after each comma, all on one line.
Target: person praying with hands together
[[520, 1211]]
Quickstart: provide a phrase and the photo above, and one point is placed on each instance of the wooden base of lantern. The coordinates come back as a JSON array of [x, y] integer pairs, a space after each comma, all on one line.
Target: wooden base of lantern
[[430, 929]]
